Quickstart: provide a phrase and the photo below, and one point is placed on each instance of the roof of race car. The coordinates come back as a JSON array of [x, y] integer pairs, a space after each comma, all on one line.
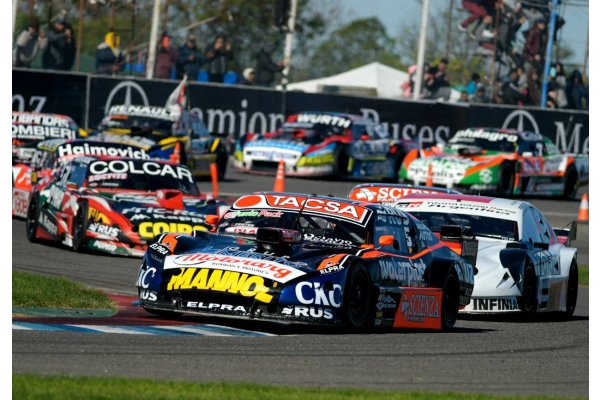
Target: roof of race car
[[463, 204]]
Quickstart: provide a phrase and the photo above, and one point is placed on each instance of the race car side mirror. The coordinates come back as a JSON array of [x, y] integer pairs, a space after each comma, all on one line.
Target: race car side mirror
[[211, 219], [388, 240]]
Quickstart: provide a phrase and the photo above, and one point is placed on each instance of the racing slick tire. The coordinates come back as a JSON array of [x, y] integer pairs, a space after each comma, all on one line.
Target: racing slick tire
[[80, 224], [33, 215], [570, 187], [572, 287], [450, 300], [163, 313], [506, 180], [528, 302], [358, 310], [340, 160]]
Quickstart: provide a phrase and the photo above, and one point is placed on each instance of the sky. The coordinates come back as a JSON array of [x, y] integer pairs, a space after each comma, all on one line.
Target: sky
[[398, 14]]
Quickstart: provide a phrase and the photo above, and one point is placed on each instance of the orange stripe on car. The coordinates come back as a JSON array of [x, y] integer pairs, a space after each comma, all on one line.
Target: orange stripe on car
[[478, 168], [330, 261]]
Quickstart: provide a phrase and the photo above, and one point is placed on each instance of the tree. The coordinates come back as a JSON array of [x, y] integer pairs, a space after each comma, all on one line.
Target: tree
[[357, 43]]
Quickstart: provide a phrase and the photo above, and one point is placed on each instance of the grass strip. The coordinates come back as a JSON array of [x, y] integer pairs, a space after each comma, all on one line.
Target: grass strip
[[584, 274], [32, 290], [30, 387]]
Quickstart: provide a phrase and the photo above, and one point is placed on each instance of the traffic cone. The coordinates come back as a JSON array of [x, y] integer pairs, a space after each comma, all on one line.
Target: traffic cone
[[429, 181], [214, 176], [280, 178], [584, 210]]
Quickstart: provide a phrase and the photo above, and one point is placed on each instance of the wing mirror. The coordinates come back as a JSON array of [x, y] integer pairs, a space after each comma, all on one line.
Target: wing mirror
[[388, 240], [211, 219]]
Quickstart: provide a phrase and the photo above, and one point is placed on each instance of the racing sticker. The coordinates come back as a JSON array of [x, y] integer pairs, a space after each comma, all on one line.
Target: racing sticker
[[486, 135], [140, 168], [143, 111], [324, 119], [419, 308], [41, 126], [255, 266], [101, 150], [221, 281], [346, 211]]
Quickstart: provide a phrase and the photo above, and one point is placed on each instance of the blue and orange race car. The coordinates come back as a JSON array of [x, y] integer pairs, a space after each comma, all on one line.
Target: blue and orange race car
[[324, 144], [318, 260]]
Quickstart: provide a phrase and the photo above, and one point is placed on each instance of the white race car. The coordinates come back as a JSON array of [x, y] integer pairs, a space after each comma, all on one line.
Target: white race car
[[523, 264]]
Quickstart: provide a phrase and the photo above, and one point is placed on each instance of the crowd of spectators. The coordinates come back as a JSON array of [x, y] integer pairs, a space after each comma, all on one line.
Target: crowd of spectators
[[211, 64], [514, 35]]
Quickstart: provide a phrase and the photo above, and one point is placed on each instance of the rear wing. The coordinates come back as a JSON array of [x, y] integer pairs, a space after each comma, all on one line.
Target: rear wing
[[461, 240], [568, 234]]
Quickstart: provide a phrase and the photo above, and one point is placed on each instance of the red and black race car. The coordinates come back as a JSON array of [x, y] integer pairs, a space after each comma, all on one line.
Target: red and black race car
[[116, 205], [319, 260]]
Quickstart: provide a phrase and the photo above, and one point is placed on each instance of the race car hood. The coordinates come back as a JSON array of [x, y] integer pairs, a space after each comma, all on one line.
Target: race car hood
[[275, 149], [491, 278], [149, 214]]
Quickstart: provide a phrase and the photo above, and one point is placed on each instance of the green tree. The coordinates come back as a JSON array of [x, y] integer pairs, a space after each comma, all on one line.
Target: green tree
[[357, 43]]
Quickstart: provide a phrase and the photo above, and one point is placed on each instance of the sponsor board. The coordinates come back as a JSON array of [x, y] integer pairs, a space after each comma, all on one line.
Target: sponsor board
[[221, 281], [265, 268], [143, 111], [419, 308], [492, 304], [69, 149], [346, 211], [20, 202], [140, 168], [487, 135], [325, 119]]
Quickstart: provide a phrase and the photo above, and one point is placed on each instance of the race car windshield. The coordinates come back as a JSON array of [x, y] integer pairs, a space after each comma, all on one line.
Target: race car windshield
[[317, 231], [491, 141], [142, 175], [308, 133], [483, 226]]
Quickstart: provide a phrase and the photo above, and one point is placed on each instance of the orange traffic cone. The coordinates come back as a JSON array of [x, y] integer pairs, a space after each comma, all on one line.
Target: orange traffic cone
[[429, 181], [584, 210], [280, 178], [214, 176]]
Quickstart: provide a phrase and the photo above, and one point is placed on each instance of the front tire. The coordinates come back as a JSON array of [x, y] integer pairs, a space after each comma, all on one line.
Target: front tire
[[506, 180], [340, 166], [80, 225], [528, 302], [222, 159], [358, 300], [570, 188], [33, 215], [572, 288]]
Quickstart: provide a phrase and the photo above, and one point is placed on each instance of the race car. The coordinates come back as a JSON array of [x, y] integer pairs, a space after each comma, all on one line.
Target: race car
[[501, 161], [116, 205], [28, 129], [523, 264], [166, 132], [324, 144], [295, 258], [51, 154], [390, 192]]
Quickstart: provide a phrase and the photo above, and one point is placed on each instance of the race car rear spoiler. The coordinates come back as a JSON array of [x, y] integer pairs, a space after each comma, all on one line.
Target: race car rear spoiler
[[567, 234], [461, 240]]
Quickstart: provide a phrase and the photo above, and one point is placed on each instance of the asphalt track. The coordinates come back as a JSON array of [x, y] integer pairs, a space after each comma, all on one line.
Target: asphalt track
[[490, 355]]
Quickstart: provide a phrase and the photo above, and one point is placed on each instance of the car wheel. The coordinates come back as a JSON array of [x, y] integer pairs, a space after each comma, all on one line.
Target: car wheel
[[80, 225], [340, 166], [572, 287], [33, 215], [506, 180], [450, 301], [528, 302], [358, 299], [570, 188], [163, 313]]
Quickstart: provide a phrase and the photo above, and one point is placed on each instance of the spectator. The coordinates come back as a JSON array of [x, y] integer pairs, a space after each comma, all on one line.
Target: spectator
[[511, 93], [477, 9], [442, 82], [189, 59], [522, 78], [109, 58], [28, 43], [577, 91], [535, 46], [485, 35], [248, 77], [409, 86], [166, 58], [54, 56], [266, 68], [534, 87], [464, 97], [70, 48], [560, 85], [217, 56], [472, 85], [480, 96]]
